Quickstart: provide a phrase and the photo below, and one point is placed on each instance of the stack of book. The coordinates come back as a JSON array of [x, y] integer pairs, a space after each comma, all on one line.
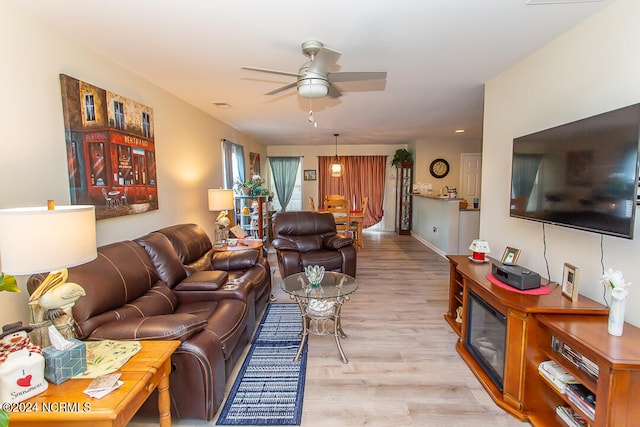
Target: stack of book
[[576, 358], [571, 417], [583, 398], [556, 375]]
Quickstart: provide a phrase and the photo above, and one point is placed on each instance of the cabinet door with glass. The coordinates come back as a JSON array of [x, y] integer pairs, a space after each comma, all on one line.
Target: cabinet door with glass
[[404, 182], [250, 214]]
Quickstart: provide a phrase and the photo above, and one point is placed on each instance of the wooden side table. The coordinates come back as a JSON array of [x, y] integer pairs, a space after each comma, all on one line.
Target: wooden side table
[[249, 244], [67, 405]]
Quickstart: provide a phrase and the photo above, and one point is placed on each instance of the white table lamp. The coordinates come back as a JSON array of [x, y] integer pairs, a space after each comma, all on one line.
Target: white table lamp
[[221, 200], [48, 239]]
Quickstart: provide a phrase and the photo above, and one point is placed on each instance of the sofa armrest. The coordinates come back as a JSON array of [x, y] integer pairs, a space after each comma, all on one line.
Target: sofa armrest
[[337, 241], [284, 245], [164, 327], [234, 260]]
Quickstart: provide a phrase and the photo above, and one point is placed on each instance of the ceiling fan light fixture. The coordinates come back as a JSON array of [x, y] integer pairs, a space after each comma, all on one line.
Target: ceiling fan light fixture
[[313, 88]]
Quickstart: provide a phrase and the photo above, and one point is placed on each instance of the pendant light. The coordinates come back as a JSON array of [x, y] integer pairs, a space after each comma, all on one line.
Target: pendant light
[[336, 166]]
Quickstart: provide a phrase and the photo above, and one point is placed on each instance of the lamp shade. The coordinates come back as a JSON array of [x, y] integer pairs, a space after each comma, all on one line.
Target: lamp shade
[[336, 168], [220, 199], [38, 240]]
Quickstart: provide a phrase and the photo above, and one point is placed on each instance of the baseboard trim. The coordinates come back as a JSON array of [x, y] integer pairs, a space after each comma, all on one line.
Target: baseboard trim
[[429, 245]]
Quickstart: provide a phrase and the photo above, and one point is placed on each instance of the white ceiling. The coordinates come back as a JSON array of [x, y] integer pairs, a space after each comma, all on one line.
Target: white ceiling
[[437, 53]]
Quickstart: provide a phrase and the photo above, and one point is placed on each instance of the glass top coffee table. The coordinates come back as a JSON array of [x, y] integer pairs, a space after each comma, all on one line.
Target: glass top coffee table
[[320, 306]]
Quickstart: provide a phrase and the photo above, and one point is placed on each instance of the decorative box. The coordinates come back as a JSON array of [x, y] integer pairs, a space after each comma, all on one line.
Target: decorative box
[[60, 365], [21, 377]]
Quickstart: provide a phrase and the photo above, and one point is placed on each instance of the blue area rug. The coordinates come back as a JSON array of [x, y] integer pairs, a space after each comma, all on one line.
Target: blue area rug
[[270, 386]]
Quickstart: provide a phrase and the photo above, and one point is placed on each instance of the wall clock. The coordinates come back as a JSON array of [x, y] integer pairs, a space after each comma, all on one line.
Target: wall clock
[[439, 168]]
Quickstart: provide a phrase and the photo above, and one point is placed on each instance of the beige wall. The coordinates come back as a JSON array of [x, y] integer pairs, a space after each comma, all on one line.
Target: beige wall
[[591, 69], [450, 150], [32, 146]]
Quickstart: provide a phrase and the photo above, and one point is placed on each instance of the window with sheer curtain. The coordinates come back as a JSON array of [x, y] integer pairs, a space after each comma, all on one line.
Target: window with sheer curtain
[[362, 176], [285, 172], [232, 162]]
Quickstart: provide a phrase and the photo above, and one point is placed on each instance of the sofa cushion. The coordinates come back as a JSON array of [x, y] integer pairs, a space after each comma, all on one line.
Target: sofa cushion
[[226, 320], [192, 245], [234, 260], [121, 273], [307, 230], [164, 257], [157, 301], [211, 280], [331, 260], [165, 327]]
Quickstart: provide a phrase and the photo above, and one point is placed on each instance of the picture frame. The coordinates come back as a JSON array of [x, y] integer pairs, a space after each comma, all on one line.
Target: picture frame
[[510, 255], [570, 276], [309, 174]]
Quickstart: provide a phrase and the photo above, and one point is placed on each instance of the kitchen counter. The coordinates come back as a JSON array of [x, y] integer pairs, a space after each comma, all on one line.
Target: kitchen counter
[[444, 227], [436, 197]]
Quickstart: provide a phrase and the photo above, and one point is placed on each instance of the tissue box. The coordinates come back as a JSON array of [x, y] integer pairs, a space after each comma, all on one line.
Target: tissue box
[[60, 365]]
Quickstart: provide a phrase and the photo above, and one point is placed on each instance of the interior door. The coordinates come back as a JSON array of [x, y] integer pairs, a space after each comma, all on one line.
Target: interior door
[[471, 176]]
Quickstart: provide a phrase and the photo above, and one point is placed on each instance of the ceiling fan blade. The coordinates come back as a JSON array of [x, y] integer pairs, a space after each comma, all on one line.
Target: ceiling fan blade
[[324, 60], [265, 70], [334, 92], [281, 89], [356, 76]]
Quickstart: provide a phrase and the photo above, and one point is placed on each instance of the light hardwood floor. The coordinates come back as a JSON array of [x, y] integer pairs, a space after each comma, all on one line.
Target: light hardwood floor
[[403, 369]]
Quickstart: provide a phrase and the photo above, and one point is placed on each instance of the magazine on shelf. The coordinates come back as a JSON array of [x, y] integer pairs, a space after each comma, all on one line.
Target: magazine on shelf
[[575, 357], [559, 386], [571, 417], [583, 398], [556, 375]]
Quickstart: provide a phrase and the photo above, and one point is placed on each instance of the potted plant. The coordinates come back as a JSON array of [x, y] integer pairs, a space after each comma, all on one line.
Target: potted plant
[[251, 187], [401, 156]]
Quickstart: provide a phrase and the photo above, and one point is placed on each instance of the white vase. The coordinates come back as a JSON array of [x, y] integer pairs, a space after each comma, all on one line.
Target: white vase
[[616, 316]]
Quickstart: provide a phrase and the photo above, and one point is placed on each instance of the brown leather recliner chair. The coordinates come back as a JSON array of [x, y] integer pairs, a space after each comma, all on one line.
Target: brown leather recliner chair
[[307, 238]]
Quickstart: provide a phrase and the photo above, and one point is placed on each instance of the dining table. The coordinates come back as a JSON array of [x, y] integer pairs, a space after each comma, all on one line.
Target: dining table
[[355, 218]]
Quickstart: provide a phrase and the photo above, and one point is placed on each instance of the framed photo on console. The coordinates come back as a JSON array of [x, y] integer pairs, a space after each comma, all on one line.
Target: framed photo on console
[[570, 281], [510, 255]]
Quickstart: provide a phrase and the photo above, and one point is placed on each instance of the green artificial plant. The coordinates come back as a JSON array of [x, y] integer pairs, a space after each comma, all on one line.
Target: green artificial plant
[[401, 155], [8, 283]]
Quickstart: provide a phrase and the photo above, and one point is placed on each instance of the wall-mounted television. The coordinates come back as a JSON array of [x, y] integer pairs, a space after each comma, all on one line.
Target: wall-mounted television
[[582, 174]]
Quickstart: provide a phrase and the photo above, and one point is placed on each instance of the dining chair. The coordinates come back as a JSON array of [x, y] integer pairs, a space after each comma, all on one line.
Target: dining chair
[[340, 210], [356, 217], [312, 204], [334, 197]]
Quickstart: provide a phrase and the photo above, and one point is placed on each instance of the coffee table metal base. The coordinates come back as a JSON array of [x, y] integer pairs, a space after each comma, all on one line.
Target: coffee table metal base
[[316, 316]]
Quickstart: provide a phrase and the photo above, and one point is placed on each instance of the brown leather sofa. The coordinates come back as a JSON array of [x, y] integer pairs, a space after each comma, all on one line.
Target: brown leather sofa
[[127, 298], [184, 259], [308, 238]]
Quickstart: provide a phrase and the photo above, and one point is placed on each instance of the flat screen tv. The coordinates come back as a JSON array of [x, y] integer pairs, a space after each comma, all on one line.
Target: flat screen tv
[[582, 174]]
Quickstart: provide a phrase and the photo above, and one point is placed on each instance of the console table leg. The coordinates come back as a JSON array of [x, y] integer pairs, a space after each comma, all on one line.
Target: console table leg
[[164, 402]]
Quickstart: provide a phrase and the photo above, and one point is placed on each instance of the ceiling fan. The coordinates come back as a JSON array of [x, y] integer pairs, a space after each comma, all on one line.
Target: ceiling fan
[[314, 78]]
